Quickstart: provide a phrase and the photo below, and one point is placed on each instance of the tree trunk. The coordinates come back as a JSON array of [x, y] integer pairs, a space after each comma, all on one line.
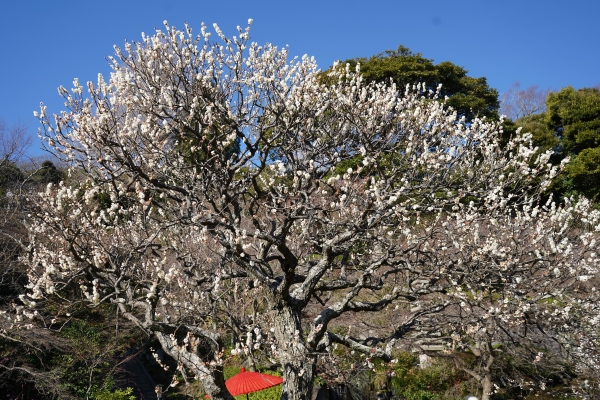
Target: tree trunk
[[297, 362], [212, 379], [486, 385], [487, 351], [298, 377]]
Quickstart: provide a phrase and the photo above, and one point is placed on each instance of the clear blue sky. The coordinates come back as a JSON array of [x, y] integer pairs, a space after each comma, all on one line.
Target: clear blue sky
[[549, 43]]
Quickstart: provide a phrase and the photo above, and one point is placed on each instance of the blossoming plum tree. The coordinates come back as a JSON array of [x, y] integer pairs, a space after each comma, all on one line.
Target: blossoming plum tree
[[521, 284], [342, 198]]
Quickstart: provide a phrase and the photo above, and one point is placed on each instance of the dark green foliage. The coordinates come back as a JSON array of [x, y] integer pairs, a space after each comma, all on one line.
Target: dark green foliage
[[541, 135], [85, 359], [413, 383], [571, 128], [468, 95], [47, 173], [78, 362], [573, 116], [581, 175], [10, 174], [109, 393], [104, 201], [85, 338]]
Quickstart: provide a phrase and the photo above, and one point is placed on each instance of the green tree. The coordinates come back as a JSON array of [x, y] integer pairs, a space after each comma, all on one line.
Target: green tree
[[10, 174], [574, 117], [48, 173], [470, 96], [570, 127], [541, 135]]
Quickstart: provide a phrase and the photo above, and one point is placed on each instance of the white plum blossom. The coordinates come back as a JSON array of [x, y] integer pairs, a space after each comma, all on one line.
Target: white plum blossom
[[379, 197]]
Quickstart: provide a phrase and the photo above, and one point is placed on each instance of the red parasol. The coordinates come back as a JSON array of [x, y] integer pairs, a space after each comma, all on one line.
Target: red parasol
[[247, 382]]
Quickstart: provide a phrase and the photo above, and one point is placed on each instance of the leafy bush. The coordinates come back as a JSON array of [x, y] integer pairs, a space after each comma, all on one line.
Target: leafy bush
[[118, 394], [431, 383]]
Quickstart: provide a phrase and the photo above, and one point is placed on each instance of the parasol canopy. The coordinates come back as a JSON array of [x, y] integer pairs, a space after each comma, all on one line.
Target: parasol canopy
[[247, 382]]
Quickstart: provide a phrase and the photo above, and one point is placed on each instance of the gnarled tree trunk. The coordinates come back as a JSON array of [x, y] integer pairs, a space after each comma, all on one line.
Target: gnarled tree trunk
[[486, 386], [297, 362], [212, 379]]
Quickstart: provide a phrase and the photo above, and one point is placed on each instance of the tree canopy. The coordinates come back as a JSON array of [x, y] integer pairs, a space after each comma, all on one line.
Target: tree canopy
[[470, 96], [47, 173], [437, 236], [575, 117], [570, 127]]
